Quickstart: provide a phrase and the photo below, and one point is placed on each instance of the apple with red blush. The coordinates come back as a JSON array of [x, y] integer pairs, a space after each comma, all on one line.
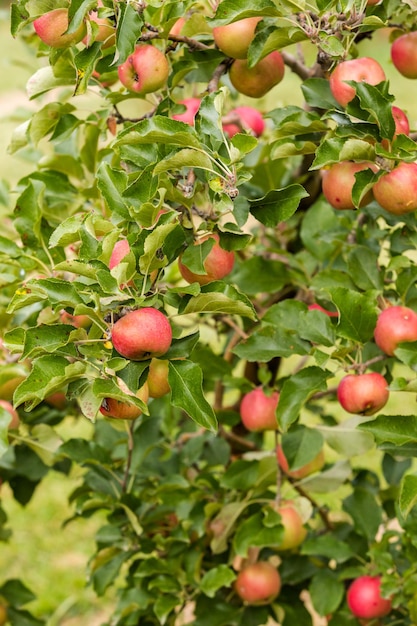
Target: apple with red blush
[[157, 380], [258, 583], [315, 465], [15, 420], [404, 54], [191, 108], [258, 410], [365, 600], [317, 307], [51, 28], [104, 31], [395, 324], [244, 118], [145, 70], [338, 181], [294, 531], [142, 334], [217, 264], [396, 190], [363, 394], [234, 39], [256, 81], [118, 409], [360, 70]]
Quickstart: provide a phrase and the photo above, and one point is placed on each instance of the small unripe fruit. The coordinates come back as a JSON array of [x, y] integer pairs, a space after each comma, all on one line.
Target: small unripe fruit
[[257, 410], [404, 54], [145, 70], [142, 334], [157, 380], [364, 598], [395, 325], [363, 394], [217, 264], [361, 70], [234, 39], [256, 81], [258, 583], [51, 27]]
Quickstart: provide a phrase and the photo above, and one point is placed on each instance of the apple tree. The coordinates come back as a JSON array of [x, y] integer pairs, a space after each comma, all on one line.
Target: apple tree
[[224, 286]]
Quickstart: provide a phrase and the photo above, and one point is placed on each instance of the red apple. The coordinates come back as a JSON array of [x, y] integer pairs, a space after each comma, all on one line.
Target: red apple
[[15, 421], [363, 394], [51, 27], [256, 81], [58, 400], [364, 598], [309, 468], [317, 307], [257, 410], [396, 191], [361, 70], [111, 407], [157, 380], [120, 250], [145, 70], [218, 263], [404, 54], [249, 118], [338, 181], [395, 325], [191, 107], [402, 125], [234, 39], [258, 583], [141, 334], [294, 530]]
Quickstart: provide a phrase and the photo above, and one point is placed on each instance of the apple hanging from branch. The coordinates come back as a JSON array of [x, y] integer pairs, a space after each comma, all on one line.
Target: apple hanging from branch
[[145, 70]]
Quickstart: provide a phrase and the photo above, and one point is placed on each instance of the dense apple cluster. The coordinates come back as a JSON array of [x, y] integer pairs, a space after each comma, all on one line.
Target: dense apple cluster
[[191, 249]]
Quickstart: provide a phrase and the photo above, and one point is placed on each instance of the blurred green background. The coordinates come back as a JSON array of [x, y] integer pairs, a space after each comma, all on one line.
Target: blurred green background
[[50, 559]]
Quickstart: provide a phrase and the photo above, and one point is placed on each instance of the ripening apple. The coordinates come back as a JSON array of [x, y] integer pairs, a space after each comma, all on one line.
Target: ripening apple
[[363, 394], [396, 191], [58, 400], [117, 409], [51, 28], [106, 31], [79, 321], [217, 264], [142, 334], [404, 54], [120, 249], [395, 325], [312, 466], [258, 583], [249, 119], [338, 181], [402, 126], [257, 410], [145, 70], [157, 380], [234, 39], [256, 81], [178, 26], [294, 529], [191, 107], [15, 421], [361, 70], [364, 598]]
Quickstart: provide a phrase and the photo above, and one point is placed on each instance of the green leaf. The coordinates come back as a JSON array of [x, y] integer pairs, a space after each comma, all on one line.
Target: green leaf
[[185, 379], [228, 301], [85, 62], [130, 22], [317, 93], [216, 578], [408, 494], [396, 429], [153, 256], [159, 129], [377, 102], [296, 391], [328, 546], [338, 149], [47, 338], [231, 10], [49, 374], [365, 512], [184, 158], [317, 328], [364, 269], [277, 205], [224, 523], [253, 533], [301, 445], [346, 438], [112, 183], [326, 592], [358, 313], [268, 342]]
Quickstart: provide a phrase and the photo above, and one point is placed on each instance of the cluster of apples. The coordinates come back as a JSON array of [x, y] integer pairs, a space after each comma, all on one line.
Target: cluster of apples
[[396, 189], [366, 394]]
